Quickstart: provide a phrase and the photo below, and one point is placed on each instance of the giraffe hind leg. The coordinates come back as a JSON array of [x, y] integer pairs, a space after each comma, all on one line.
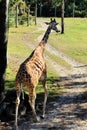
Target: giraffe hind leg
[[17, 105], [32, 97], [43, 79], [45, 98], [22, 92]]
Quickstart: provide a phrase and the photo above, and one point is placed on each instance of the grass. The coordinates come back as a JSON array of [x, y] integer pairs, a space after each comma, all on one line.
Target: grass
[[73, 43], [18, 50], [58, 60]]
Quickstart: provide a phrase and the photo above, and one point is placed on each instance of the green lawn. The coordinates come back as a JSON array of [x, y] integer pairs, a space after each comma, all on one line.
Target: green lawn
[[73, 42], [18, 50]]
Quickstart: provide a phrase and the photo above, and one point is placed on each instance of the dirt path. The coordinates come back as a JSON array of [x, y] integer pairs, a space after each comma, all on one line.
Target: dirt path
[[68, 111]]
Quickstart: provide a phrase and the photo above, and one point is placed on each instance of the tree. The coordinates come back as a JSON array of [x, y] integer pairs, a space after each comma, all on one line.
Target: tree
[[16, 20], [35, 12], [40, 4], [3, 44], [74, 8], [62, 16]]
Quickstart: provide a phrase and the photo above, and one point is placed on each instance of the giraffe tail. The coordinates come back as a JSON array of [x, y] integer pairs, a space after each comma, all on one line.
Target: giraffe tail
[[22, 92]]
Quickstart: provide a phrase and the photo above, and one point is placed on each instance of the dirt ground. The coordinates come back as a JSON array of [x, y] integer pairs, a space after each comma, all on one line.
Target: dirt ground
[[65, 112]]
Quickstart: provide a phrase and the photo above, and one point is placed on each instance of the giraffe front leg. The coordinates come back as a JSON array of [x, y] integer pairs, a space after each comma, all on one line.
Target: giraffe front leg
[[45, 97], [18, 91], [43, 79], [17, 106], [32, 97]]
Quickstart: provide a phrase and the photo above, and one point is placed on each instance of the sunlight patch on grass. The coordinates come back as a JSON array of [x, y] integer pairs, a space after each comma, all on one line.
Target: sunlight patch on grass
[[74, 41]]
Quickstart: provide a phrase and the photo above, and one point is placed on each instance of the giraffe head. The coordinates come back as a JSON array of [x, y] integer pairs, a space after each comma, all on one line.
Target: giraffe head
[[53, 24]]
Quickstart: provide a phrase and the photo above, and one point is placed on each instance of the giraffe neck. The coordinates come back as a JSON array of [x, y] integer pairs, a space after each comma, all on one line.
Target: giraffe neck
[[46, 35]]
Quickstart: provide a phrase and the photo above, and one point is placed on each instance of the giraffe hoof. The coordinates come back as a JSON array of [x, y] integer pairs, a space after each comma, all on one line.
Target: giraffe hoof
[[42, 116], [37, 119], [15, 127]]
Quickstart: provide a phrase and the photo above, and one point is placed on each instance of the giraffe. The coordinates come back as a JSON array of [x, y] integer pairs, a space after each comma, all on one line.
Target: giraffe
[[31, 71]]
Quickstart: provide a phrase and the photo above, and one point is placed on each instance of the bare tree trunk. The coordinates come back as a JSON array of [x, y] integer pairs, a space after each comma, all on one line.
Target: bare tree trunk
[[40, 8], [74, 8], [36, 12], [16, 20], [28, 16], [62, 16], [3, 44], [55, 9]]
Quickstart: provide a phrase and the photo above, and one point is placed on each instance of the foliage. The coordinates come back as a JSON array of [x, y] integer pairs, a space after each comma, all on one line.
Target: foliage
[[22, 12], [14, 3], [48, 6]]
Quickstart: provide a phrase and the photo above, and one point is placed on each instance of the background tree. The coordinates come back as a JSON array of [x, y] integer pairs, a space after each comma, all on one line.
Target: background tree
[[73, 8], [35, 12], [51, 8], [3, 44], [62, 16]]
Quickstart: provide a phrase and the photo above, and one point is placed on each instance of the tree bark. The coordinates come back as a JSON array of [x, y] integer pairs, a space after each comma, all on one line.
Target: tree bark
[[16, 20], [40, 8], [28, 16], [3, 42], [36, 12], [62, 17], [74, 8]]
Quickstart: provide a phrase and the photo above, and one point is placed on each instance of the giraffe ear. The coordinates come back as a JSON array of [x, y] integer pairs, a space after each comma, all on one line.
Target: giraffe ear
[[51, 19], [57, 23], [47, 23], [54, 20]]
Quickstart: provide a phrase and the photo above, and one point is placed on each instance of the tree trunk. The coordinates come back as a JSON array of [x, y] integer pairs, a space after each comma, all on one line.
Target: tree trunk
[[36, 12], [55, 8], [74, 8], [28, 16], [55, 11], [62, 17], [16, 20], [40, 8], [3, 44]]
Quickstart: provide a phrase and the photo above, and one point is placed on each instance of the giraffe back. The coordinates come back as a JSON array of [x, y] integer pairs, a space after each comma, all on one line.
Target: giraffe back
[[31, 69]]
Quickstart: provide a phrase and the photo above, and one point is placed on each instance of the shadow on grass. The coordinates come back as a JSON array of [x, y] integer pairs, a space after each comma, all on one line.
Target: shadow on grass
[[7, 107], [9, 84]]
